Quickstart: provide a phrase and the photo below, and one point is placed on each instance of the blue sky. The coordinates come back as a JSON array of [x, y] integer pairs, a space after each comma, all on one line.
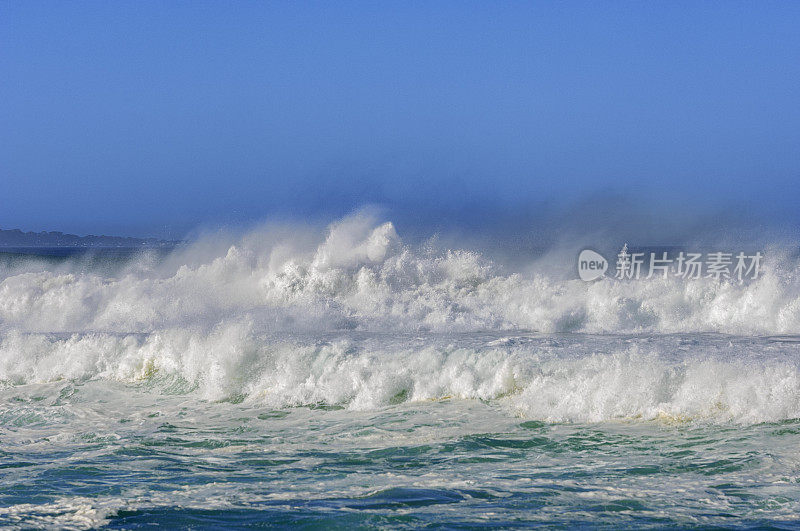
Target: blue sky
[[151, 118]]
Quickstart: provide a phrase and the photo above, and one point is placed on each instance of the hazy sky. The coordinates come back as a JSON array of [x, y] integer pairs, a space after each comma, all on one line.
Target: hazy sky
[[155, 117]]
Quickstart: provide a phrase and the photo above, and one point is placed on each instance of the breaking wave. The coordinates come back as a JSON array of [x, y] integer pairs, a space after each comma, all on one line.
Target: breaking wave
[[359, 319], [362, 277]]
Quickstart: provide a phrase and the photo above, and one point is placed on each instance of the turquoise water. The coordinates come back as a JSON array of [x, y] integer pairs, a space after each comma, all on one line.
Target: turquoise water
[[107, 453]]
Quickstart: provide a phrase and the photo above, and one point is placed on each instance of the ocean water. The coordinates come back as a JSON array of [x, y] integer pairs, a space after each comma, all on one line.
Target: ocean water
[[344, 378]]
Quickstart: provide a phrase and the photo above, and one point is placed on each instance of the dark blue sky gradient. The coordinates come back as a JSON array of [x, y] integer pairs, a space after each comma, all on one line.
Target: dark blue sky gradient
[[151, 118]]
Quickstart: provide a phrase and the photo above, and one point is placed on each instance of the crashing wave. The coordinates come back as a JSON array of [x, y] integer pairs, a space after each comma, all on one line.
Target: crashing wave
[[230, 326]]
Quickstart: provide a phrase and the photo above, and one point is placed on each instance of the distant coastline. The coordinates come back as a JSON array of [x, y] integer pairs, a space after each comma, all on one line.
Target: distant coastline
[[15, 238]]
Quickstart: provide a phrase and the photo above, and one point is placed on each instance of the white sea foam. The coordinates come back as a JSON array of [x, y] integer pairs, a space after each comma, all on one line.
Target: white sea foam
[[576, 380], [276, 318]]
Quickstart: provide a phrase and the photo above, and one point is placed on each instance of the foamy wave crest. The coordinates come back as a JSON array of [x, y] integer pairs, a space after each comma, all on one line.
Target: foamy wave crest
[[672, 378], [359, 319], [361, 276]]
